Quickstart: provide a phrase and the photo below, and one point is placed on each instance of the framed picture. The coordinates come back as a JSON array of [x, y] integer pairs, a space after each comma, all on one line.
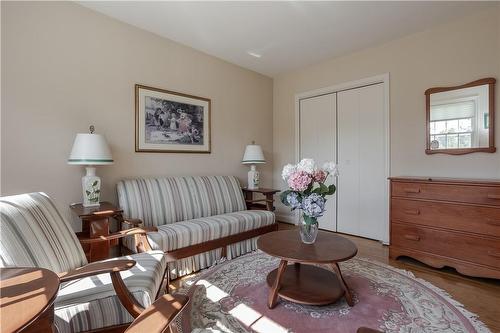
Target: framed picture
[[171, 122]]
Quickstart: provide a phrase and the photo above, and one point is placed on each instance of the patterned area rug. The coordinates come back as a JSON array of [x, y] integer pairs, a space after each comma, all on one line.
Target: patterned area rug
[[232, 297]]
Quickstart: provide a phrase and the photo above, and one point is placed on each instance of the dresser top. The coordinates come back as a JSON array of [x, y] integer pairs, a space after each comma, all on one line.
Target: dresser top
[[444, 180]]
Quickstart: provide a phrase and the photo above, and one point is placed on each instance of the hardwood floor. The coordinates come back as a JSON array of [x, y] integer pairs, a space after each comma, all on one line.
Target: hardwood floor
[[479, 296]]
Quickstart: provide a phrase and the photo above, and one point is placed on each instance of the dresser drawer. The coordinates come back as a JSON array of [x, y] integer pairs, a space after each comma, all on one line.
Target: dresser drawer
[[475, 219], [485, 251], [487, 195]]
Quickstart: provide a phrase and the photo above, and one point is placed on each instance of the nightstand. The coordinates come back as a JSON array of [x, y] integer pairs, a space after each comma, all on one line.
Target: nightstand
[[95, 223], [267, 203]]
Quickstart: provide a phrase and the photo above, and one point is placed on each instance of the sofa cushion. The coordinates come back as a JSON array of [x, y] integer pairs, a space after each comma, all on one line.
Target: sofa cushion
[[159, 201], [34, 234], [181, 234], [91, 303]]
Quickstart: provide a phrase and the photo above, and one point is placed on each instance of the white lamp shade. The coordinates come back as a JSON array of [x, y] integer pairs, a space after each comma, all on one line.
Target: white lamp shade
[[90, 149], [253, 155]]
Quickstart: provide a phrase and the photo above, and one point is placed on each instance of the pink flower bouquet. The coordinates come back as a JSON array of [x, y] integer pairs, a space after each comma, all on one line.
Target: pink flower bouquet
[[307, 189]]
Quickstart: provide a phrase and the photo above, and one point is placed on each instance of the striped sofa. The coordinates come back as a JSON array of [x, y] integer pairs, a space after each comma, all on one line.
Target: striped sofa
[[34, 234], [188, 211]]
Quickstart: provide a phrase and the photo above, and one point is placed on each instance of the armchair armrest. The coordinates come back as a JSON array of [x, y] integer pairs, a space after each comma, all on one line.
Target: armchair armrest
[[159, 315], [113, 267], [96, 268], [116, 235]]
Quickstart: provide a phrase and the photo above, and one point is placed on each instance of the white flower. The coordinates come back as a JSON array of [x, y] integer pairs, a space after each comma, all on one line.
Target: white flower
[[287, 171], [331, 168], [307, 165]]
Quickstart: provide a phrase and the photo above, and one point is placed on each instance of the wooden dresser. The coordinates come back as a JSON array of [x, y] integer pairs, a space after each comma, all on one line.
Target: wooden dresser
[[447, 222]]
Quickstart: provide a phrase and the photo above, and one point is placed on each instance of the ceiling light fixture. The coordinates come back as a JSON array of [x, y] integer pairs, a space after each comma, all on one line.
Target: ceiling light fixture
[[253, 54]]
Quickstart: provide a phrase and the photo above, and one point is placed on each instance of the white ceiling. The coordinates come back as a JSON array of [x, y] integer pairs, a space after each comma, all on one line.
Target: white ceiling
[[287, 35]]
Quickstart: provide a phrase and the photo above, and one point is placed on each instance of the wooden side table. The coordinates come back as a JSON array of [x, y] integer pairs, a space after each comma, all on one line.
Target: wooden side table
[[267, 203], [95, 223], [27, 298]]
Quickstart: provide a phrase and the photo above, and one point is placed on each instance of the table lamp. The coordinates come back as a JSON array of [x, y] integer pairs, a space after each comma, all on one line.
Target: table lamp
[[90, 149], [253, 155]]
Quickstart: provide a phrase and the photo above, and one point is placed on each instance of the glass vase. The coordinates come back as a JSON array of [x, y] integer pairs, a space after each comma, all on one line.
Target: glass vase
[[308, 231]]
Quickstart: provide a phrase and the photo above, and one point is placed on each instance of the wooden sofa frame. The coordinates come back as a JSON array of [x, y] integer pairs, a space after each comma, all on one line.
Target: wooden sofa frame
[[188, 251]]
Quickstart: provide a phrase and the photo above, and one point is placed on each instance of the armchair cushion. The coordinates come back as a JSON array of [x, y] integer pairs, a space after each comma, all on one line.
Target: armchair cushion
[[91, 302]]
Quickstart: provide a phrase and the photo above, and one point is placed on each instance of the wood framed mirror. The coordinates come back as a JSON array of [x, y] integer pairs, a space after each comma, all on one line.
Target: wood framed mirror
[[461, 119]]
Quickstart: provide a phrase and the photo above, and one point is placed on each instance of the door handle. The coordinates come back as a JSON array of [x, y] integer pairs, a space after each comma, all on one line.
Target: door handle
[[412, 237], [412, 211]]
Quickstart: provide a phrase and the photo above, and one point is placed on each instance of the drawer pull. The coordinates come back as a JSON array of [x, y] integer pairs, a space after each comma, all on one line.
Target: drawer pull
[[412, 237], [494, 196], [414, 190], [494, 254], [412, 211]]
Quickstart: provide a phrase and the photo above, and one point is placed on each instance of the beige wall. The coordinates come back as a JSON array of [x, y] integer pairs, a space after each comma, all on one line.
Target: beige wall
[[65, 67], [450, 54]]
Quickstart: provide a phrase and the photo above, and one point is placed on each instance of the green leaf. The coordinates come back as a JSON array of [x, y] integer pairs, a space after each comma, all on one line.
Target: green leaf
[[309, 219], [97, 191], [331, 189], [88, 192], [94, 183], [283, 197]]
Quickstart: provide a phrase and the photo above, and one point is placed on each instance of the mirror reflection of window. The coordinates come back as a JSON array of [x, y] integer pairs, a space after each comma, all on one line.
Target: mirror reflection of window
[[458, 118]]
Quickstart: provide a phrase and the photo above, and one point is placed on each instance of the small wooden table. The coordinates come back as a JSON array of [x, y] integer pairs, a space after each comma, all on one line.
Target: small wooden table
[[27, 299], [95, 223], [267, 203], [307, 284]]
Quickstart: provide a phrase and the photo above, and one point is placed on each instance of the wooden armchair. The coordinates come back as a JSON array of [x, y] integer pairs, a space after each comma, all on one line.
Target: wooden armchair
[[105, 295]]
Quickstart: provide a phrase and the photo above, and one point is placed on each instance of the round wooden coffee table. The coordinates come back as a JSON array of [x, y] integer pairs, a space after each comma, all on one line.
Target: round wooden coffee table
[[307, 284]]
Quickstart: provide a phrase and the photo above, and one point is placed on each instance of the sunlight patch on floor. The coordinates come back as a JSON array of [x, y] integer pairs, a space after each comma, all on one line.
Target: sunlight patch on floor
[[265, 325], [213, 293], [255, 320], [245, 314]]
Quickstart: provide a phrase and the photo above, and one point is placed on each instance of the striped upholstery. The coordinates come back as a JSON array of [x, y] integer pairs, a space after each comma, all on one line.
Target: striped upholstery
[[189, 211], [34, 234], [91, 303], [159, 201], [177, 235]]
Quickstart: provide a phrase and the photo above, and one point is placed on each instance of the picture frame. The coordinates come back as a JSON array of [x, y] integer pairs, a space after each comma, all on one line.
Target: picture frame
[[171, 122]]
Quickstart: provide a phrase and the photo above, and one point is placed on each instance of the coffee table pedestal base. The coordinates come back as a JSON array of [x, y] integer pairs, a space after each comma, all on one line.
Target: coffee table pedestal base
[[305, 284]]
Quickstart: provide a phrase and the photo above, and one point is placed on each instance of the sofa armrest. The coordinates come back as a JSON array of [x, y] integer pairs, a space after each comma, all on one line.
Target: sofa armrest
[[132, 222], [116, 235], [97, 268]]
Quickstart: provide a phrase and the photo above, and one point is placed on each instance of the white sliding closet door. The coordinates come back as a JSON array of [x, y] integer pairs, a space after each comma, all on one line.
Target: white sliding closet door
[[362, 157], [317, 135]]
